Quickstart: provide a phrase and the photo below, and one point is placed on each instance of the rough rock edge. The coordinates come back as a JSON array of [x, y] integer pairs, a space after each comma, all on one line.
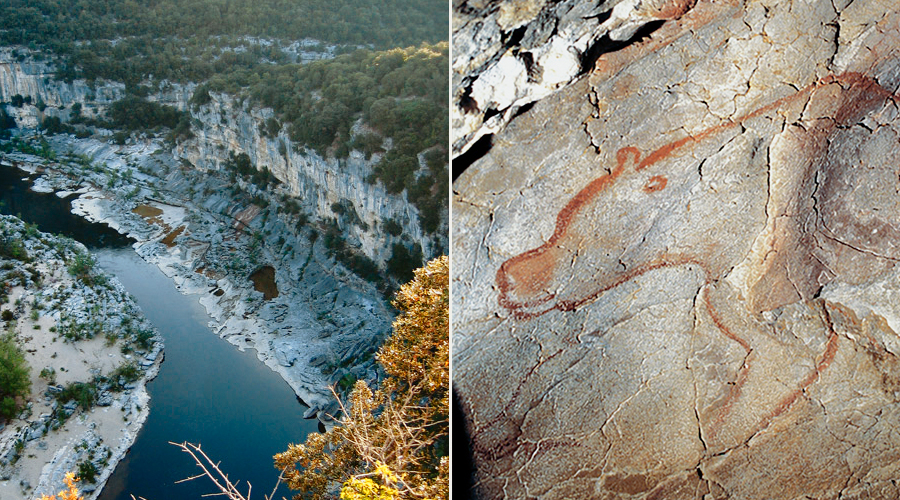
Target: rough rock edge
[[495, 74]]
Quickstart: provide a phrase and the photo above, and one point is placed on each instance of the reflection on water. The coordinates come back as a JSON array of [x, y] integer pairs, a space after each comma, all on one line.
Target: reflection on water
[[51, 213]]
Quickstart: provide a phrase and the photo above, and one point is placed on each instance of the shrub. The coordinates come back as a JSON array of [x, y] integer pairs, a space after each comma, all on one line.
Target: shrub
[[83, 393], [393, 227], [87, 471], [82, 267], [403, 261], [13, 248], [14, 377], [48, 374], [8, 407]]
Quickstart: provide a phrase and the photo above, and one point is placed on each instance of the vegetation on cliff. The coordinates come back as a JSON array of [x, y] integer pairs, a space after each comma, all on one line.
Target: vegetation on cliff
[[14, 375], [238, 47], [14, 370], [61, 24], [399, 93]]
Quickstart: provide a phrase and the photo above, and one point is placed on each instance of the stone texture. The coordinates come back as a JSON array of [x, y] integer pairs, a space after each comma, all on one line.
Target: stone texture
[[508, 54], [676, 277], [224, 127]]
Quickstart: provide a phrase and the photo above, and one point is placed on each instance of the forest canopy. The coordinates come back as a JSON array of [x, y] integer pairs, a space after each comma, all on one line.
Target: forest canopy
[[382, 23]]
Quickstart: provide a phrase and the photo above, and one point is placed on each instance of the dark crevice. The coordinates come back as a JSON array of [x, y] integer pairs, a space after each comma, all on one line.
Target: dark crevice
[[605, 45], [522, 110], [465, 160], [601, 17], [463, 472], [490, 113], [512, 38], [466, 102], [534, 72]]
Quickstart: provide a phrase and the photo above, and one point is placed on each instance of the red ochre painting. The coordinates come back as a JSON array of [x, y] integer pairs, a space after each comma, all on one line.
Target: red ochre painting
[[579, 262], [526, 281]]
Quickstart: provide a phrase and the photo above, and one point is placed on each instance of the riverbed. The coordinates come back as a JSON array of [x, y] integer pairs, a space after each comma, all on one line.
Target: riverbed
[[206, 392]]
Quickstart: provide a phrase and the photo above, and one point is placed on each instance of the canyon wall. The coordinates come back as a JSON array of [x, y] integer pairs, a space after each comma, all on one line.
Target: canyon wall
[[226, 126]]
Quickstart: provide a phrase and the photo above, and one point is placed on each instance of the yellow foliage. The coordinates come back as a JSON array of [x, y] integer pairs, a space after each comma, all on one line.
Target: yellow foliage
[[70, 493], [419, 350], [367, 488], [391, 442]]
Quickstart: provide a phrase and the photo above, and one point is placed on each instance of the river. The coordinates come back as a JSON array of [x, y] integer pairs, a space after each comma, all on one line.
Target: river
[[206, 392]]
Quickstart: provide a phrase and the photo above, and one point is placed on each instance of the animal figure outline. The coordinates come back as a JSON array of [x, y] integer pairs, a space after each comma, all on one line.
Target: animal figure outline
[[523, 279]]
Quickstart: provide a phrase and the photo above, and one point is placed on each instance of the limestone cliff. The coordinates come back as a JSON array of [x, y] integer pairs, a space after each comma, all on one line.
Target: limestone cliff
[[224, 127], [676, 277], [31, 78]]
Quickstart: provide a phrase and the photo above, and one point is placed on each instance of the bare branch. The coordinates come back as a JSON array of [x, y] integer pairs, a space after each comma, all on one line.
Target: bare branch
[[214, 473]]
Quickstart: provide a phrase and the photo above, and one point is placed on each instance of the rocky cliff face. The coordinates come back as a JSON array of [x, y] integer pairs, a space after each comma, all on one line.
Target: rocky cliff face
[[510, 54], [224, 127], [29, 77], [677, 276]]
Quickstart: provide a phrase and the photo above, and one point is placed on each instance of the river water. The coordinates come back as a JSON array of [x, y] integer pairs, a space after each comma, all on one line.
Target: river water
[[206, 392]]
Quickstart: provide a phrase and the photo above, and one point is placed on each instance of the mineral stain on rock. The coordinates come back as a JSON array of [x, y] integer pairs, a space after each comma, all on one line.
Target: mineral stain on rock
[[147, 212], [264, 281], [169, 239]]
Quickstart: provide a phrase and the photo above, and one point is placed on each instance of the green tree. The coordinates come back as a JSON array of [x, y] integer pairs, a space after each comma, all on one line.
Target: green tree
[[391, 443], [14, 379]]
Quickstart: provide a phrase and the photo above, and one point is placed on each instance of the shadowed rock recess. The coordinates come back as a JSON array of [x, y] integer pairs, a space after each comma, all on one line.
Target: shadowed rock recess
[[675, 276]]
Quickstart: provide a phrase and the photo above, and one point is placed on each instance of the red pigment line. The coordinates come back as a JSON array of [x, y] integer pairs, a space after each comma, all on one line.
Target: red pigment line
[[735, 391], [666, 261], [667, 150], [823, 363], [563, 219], [850, 78], [721, 326], [655, 183], [589, 192]]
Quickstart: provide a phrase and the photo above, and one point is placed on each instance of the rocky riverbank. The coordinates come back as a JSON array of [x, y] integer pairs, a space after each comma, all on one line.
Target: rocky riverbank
[[264, 276], [90, 352]]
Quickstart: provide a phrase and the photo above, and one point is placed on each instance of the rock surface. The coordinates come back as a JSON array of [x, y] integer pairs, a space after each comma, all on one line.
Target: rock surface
[[676, 277], [510, 54]]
